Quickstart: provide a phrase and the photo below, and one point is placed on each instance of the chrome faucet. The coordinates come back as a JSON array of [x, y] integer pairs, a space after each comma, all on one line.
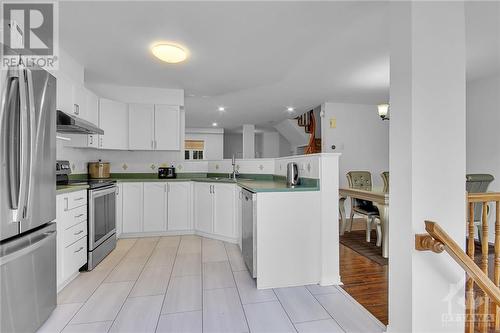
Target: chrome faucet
[[235, 172]]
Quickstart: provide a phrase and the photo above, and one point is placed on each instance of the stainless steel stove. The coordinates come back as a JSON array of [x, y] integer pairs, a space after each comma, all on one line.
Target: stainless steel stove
[[101, 213]]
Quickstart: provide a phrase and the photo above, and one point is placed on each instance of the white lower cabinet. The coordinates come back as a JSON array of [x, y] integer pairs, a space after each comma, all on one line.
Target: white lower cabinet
[[133, 206], [203, 207], [155, 207], [215, 209], [71, 219], [159, 207], [225, 210], [180, 206]]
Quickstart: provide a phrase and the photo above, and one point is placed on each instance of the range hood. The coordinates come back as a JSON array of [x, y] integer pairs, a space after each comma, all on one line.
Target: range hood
[[67, 123]]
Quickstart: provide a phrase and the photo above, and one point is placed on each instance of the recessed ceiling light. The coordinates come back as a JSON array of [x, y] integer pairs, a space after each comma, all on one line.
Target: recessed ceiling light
[[221, 108], [169, 52], [214, 124], [290, 109]]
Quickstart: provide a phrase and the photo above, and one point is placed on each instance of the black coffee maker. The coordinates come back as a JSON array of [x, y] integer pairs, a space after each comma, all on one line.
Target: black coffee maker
[[166, 172]]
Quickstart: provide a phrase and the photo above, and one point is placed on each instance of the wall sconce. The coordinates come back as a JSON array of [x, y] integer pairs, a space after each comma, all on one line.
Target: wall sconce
[[383, 111]]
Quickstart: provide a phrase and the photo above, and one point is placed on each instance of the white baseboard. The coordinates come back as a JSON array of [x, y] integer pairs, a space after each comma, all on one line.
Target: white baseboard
[[177, 233]]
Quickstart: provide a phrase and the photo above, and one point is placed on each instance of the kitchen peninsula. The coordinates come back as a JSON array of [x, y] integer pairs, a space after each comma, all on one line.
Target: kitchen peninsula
[[285, 222]]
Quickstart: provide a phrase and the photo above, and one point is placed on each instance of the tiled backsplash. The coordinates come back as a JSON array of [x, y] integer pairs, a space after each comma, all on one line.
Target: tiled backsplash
[[148, 162]]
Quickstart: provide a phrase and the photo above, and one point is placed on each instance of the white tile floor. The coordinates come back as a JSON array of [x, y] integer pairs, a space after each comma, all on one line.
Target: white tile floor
[[194, 284]]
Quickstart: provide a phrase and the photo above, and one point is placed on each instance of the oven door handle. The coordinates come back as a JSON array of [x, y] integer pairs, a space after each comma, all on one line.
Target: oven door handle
[[101, 192]]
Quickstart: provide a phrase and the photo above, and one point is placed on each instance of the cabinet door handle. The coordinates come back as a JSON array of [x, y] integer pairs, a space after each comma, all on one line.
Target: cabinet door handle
[[77, 233], [91, 140], [80, 198], [77, 216], [66, 204], [81, 248], [77, 109]]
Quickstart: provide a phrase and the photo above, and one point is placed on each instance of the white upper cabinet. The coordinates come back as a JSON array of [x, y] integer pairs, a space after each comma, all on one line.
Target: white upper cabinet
[[167, 127], [113, 120], [179, 206], [141, 123], [64, 93], [155, 207], [79, 100], [91, 107], [154, 127], [225, 217]]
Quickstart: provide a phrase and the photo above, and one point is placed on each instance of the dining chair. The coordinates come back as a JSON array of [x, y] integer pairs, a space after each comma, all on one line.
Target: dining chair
[[363, 180], [478, 183], [385, 179]]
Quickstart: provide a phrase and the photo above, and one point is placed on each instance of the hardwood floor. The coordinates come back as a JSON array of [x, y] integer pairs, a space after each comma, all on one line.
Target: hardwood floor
[[366, 281]]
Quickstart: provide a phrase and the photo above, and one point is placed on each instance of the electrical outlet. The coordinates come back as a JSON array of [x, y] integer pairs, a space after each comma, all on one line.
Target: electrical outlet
[[333, 122]]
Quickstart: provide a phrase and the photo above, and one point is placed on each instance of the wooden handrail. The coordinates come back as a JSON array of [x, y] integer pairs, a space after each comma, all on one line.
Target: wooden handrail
[[483, 197], [462, 259]]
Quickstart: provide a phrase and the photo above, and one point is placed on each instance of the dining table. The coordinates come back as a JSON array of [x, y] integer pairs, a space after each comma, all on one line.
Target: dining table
[[379, 196]]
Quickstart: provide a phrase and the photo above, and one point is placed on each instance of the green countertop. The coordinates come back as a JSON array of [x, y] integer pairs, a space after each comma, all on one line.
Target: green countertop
[[60, 189], [249, 184], [252, 182]]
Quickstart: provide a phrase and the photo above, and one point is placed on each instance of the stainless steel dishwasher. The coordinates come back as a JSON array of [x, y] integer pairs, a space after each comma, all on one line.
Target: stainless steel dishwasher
[[248, 240]]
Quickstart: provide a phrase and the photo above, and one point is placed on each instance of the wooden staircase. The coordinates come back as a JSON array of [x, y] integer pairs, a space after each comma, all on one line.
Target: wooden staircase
[[308, 121]]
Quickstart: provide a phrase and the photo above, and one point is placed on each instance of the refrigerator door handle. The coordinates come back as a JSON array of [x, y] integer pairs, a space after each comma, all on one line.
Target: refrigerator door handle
[[32, 149], [46, 236], [20, 212], [12, 146]]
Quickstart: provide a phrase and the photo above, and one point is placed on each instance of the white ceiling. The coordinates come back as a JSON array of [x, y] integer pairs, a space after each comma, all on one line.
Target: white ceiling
[[253, 58]]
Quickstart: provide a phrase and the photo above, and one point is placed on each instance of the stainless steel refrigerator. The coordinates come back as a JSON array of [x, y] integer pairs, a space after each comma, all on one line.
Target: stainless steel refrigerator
[[27, 198]]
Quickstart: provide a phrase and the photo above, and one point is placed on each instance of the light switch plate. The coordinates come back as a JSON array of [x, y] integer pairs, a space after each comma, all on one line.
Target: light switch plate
[[333, 122]]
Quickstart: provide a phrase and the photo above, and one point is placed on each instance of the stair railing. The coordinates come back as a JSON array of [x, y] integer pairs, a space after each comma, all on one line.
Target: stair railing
[[437, 240]]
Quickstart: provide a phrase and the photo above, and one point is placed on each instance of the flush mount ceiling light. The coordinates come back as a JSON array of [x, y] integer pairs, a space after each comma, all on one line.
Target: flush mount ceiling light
[[169, 52], [383, 111], [290, 109], [221, 109], [214, 124]]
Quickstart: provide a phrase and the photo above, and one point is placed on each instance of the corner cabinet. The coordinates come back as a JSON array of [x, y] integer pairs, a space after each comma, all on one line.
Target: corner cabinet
[[215, 209]]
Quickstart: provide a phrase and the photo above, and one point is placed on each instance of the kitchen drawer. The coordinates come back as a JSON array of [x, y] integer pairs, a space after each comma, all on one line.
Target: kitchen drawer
[[74, 233], [74, 216], [76, 199], [75, 256]]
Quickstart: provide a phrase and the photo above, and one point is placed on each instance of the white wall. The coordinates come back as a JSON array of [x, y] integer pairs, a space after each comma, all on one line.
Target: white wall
[[483, 134], [427, 163], [360, 136], [233, 144], [214, 141], [267, 145]]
